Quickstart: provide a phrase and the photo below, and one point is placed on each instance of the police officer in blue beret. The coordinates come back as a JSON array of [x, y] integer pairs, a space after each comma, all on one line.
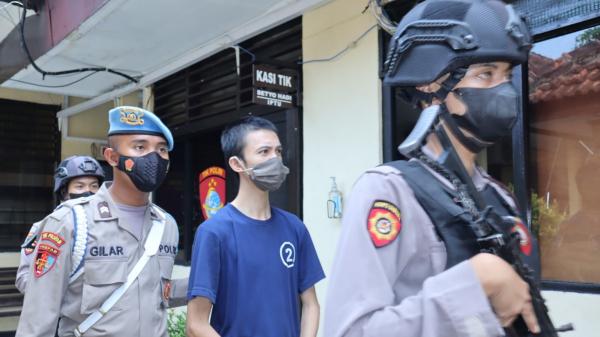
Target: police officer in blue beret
[[121, 284]]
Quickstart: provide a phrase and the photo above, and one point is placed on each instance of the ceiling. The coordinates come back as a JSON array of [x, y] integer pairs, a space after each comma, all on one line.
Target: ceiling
[[150, 39]]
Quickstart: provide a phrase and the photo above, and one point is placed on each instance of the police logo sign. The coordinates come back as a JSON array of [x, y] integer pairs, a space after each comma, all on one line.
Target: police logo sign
[[212, 190], [287, 253]]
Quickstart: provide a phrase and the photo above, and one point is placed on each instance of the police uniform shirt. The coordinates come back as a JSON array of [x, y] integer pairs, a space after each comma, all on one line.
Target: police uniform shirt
[[388, 277], [113, 248]]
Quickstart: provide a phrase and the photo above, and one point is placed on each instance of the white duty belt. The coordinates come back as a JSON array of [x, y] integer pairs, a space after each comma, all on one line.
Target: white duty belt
[[150, 248]]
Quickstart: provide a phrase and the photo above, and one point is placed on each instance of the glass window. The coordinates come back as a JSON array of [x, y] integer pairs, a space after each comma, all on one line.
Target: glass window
[[564, 126]]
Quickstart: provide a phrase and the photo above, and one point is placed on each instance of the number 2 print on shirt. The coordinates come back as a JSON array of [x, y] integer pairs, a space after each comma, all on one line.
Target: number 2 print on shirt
[[287, 252]]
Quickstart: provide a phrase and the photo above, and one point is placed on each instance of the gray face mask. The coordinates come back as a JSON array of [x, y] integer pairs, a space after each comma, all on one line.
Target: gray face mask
[[268, 175]]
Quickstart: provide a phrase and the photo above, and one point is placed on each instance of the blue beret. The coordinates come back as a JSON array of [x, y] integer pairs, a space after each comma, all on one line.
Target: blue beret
[[128, 120]]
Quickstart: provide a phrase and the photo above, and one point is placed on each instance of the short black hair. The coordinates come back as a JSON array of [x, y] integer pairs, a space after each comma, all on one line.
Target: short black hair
[[233, 138]]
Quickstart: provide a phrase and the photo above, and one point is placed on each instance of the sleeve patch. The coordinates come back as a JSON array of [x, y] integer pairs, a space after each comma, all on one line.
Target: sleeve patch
[[384, 223], [53, 237], [45, 259], [30, 247], [167, 291], [524, 236]]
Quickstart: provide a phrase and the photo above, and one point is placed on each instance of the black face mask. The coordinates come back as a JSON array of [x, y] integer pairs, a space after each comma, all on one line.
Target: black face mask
[[146, 172], [491, 113], [80, 195]]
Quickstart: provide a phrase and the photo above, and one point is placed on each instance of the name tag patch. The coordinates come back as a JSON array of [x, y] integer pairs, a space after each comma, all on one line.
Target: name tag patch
[[106, 251], [167, 250]]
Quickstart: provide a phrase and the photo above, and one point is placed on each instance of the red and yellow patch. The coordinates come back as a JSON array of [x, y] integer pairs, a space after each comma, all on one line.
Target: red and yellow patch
[[53, 237], [30, 249], [383, 223], [129, 164], [45, 259], [525, 242], [31, 246], [167, 291]]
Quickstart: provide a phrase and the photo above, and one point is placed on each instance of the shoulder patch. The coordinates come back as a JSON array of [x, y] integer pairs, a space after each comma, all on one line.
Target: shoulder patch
[[524, 236], [383, 223], [45, 259], [29, 245], [52, 237], [104, 210]]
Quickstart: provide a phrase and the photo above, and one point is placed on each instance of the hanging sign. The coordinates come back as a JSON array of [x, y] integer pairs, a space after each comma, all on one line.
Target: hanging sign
[[272, 98], [212, 190], [274, 87], [272, 78]]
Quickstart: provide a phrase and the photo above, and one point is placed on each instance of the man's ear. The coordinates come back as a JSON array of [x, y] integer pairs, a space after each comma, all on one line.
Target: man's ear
[[111, 156], [235, 164]]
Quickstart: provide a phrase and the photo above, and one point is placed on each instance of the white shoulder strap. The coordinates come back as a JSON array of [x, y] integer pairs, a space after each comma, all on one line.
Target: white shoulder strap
[[79, 242], [150, 248]]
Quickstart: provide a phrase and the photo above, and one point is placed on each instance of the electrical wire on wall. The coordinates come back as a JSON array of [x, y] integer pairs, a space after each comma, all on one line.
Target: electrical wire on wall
[[382, 18], [93, 70], [341, 52]]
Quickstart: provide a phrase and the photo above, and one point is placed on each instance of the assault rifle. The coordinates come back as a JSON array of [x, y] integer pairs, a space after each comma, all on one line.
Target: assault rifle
[[487, 226]]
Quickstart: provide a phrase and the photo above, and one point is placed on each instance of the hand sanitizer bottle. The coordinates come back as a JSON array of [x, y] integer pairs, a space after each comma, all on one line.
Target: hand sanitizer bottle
[[334, 204]]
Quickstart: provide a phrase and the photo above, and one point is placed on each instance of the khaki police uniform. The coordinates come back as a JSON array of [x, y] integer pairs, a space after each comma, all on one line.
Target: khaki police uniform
[[389, 277], [113, 248]]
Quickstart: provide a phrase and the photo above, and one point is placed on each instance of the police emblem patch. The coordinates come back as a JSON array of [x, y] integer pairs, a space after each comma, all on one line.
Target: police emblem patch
[[45, 259], [129, 164], [53, 237], [525, 239], [383, 223], [132, 116]]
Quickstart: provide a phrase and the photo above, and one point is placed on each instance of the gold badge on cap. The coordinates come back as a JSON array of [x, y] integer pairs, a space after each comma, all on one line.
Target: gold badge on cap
[[132, 116]]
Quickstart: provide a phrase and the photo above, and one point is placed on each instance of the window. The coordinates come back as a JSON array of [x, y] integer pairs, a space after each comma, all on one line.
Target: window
[[564, 151]]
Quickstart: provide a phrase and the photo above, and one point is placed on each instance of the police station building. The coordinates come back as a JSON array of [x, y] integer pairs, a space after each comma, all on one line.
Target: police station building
[[313, 67]]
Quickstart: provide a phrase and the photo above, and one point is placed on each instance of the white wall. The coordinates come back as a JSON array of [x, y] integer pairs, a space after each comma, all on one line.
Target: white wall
[[342, 114], [580, 309]]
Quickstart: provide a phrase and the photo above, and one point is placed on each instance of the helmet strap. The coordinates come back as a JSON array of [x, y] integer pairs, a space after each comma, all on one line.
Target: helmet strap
[[449, 83], [416, 96], [472, 144]]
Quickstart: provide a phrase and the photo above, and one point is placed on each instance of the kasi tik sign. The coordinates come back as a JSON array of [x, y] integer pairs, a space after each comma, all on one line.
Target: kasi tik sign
[[274, 87]]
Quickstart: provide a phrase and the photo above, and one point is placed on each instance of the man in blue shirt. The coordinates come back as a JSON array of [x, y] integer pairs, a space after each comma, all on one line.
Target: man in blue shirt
[[254, 265]]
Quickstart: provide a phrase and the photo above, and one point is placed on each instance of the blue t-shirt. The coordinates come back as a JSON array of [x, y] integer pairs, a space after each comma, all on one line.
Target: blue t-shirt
[[253, 272]]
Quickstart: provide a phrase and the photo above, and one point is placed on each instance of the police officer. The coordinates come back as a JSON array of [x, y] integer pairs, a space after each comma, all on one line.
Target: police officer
[[406, 263], [75, 177], [121, 285]]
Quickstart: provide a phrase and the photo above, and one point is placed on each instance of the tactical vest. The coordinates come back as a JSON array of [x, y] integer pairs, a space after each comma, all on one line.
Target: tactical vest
[[451, 221]]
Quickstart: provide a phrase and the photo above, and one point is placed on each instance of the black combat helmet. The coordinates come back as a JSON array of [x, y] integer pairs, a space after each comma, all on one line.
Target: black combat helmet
[[76, 166], [439, 36]]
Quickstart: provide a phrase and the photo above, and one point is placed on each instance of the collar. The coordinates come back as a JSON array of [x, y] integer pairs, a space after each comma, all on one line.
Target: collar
[[478, 177], [105, 209]]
